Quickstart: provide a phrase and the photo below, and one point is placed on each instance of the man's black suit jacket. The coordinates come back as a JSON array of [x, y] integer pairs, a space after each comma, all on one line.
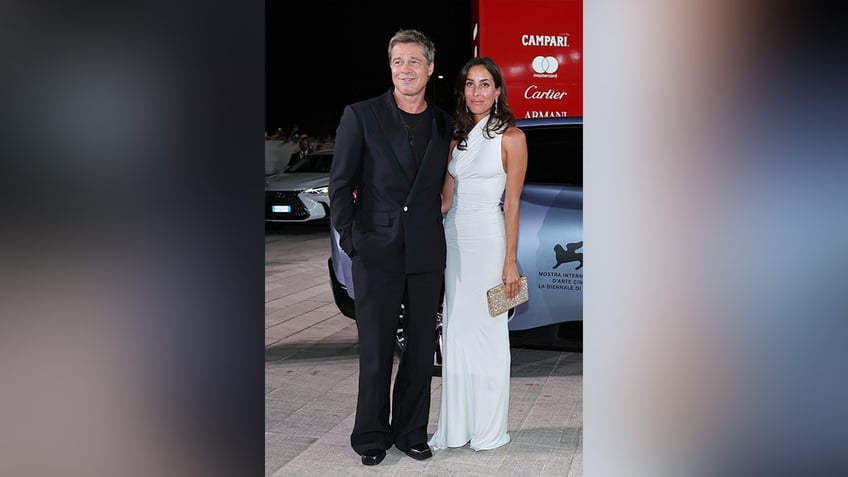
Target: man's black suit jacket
[[395, 222]]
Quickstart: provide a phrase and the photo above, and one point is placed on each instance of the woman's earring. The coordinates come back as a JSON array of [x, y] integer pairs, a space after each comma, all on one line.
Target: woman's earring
[[466, 107], [496, 105]]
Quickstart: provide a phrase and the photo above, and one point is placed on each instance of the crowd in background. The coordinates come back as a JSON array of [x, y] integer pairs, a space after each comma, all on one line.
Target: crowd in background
[[282, 146]]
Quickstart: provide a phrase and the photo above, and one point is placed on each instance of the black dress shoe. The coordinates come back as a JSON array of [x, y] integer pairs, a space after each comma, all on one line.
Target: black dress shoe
[[373, 456], [420, 451]]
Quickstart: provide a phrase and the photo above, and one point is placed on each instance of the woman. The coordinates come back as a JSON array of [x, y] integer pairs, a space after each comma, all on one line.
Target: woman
[[488, 161]]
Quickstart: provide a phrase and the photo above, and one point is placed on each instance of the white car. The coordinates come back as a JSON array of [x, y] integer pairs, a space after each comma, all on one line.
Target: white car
[[299, 193], [550, 245]]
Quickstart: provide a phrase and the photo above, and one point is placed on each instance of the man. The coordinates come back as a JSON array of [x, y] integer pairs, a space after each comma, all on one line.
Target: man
[[302, 149], [385, 184]]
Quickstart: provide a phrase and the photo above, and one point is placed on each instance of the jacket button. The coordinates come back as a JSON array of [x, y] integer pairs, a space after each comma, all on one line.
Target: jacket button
[[405, 208]]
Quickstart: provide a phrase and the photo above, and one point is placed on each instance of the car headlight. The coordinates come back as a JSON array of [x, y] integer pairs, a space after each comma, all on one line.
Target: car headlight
[[318, 190]]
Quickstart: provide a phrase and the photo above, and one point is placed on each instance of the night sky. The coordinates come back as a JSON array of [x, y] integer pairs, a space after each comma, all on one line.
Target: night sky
[[341, 57]]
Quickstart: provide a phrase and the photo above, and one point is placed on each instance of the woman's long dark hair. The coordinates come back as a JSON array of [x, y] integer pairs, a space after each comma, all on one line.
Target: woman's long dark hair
[[500, 116]]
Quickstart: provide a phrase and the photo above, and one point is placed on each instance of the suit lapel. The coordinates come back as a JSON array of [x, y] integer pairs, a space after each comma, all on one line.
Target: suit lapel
[[395, 133], [430, 156], [438, 132]]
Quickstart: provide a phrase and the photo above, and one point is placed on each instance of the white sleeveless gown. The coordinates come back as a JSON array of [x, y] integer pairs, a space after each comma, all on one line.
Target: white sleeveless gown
[[476, 354]]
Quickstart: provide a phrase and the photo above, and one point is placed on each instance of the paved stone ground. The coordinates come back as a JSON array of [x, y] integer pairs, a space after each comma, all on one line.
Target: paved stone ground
[[311, 376]]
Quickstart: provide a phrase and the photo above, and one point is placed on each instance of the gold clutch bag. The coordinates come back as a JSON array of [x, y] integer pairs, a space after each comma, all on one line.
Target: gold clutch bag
[[496, 297]]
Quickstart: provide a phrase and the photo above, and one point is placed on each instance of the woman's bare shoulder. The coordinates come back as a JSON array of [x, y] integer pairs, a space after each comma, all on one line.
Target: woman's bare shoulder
[[513, 133]]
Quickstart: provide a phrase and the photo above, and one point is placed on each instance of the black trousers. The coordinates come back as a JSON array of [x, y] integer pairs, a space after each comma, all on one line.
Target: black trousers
[[401, 420]]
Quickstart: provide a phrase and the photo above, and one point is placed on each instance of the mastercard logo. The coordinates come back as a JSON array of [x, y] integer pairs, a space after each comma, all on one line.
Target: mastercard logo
[[545, 64]]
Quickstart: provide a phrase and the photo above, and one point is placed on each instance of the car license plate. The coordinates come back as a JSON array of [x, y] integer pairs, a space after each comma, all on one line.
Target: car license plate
[[280, 209]]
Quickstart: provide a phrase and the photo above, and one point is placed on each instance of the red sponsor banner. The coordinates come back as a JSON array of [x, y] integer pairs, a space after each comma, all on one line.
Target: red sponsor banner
[[538, 45]]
